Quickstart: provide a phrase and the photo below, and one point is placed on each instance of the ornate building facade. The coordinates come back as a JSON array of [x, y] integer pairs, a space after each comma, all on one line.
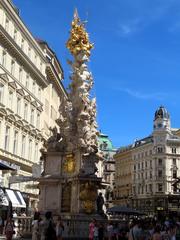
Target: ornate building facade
[[123, 176], [106, 167], [155, 166], [30, 93]]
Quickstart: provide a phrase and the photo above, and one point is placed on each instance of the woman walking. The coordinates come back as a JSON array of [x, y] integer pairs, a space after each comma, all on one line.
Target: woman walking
[[59, 228], [35, 226]]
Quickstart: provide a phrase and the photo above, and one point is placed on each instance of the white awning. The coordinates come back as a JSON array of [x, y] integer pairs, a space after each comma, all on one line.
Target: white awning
[[21, 199], [16, 198]]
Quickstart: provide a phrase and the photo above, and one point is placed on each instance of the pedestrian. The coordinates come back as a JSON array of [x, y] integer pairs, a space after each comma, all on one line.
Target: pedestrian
[[59, 228], [115, 231], [1, 225], [47, 228], [96, 233], [91, 229], [157, 233], [9, 229], [101, 231], [135, 231], [110, 230], [36, 226]]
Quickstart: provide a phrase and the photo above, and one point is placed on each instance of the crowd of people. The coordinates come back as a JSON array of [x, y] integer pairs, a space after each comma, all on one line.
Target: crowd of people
[[47, 229], [146, 229]]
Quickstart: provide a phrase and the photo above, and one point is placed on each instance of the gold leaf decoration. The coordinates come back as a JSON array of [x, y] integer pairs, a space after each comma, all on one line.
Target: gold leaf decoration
[[79, 38]]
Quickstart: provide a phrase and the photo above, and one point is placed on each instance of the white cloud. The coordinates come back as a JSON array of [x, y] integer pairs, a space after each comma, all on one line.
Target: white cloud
[[129, 27], [145, 96], [145, 15]]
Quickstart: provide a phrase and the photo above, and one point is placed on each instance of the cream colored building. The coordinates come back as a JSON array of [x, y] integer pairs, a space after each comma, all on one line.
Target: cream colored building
[[156, 168], [30, 94], [123, 176]]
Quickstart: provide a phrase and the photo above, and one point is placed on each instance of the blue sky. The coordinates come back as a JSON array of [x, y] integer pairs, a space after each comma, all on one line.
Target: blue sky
[[135, 62]]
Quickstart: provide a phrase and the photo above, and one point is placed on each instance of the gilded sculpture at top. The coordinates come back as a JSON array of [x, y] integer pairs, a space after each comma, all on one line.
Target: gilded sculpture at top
[[79, 38]]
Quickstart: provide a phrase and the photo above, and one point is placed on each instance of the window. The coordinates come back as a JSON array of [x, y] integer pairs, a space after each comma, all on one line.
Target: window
[[34, 88], [142, 190], [15, 144], [29, 52], [22, 44], [142, 164], [20, 74], [41, 66], [12, 67], [146, 164], [27, 81], [39, 93], [23, 146], [38, 121], [35, 59], [150, 152], [36, 153], [1, 92], [159, 173], [174, 161], [160, 187], [32, 116], [150, 175], [25, 111], [173, 150], [6, 143], [150, 188], [46, 106], [174, 174], [150, 163], [10, 99], [134, 167], [15, 34], [7, 24], [30, 149], [159, 149], [138, 165], [18, 106], [4, 58], [160, 162]]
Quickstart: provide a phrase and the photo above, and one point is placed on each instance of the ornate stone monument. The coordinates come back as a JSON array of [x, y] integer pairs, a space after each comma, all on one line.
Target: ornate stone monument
[[69, 183]]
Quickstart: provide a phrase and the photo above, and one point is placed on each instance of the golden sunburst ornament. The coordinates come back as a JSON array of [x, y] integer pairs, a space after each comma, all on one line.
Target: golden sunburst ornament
[[79, 38]]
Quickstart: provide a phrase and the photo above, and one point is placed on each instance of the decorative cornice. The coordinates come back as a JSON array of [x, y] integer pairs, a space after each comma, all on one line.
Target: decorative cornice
[[11, 117], [20, 85], [20, 56], [28, 98], [4, 77], [3, 112], [34, 103], [21, 91], [52, 76], [11, 10], [40, 108], [13, 85]]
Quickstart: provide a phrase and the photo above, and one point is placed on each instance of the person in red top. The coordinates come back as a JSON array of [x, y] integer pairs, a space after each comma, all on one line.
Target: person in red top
[[91, 229]]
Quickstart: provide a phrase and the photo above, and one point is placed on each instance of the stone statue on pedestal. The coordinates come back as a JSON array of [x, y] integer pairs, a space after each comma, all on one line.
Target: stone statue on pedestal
[[69, 184]]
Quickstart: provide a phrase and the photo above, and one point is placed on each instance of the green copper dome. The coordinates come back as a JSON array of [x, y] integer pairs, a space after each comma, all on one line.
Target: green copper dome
[[104, 143]]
